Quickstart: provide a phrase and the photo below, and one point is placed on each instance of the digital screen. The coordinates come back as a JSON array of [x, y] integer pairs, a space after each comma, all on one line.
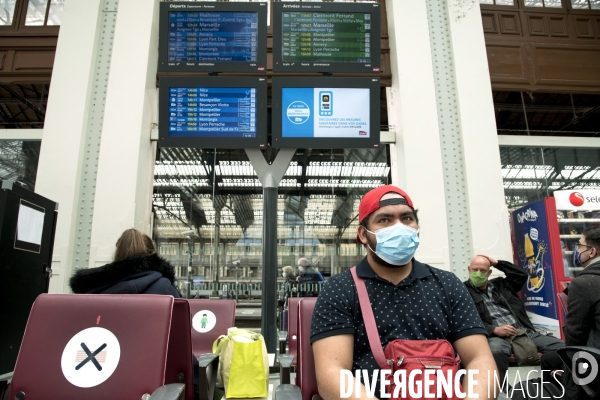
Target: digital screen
[[325, 112], [212, 112], [326, 37], [212, 36]]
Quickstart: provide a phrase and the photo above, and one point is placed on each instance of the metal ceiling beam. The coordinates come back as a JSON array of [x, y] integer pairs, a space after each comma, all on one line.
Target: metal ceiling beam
[[539, 108], [23, 100]]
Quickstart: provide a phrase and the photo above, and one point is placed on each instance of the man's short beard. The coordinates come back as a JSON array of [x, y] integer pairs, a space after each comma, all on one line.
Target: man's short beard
[[373, 245]]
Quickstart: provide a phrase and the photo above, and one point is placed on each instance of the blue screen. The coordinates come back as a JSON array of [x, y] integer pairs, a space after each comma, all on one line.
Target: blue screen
[[213, 36], [325, 113], [212, 112]]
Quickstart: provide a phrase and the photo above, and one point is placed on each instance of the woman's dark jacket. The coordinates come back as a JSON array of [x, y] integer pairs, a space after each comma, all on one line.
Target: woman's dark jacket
[[508, 287], [141, 274]]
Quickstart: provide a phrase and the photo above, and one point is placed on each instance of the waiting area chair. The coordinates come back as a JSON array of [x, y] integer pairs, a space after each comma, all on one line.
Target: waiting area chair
[[563, 300], [104, 347], [220, 316], [289, 360], [179, 357], [306, 379], [209, 320]]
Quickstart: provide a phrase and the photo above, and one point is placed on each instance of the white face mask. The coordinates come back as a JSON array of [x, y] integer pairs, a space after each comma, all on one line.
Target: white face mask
[[300, 269], [283, 274]]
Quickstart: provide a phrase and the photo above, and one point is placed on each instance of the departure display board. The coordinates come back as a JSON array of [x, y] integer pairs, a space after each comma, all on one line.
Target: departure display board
[[212, 37], [326, 37], [210, 111], [202, 111]]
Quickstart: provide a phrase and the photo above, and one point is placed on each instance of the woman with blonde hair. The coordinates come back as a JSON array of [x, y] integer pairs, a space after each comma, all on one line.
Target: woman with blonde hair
[[136, 269]]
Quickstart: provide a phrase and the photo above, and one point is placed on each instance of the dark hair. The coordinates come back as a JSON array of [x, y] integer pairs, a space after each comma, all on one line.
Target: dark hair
[[365, 221], [133, 242], [592, 237]]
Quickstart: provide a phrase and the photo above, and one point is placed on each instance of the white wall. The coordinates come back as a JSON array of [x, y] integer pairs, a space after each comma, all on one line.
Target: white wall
[[488, 214], [66, 118], [126, 163], [413, 115]]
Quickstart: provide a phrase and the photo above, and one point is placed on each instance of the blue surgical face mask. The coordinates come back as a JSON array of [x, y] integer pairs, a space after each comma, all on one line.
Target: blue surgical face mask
[[577, 256], [396, 244]]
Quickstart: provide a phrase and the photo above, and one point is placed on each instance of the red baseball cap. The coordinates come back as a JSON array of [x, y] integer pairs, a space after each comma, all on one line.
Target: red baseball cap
[[372, 200]]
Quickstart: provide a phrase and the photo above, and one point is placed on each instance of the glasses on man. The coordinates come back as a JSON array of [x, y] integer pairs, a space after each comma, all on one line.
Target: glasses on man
[[580, 247]]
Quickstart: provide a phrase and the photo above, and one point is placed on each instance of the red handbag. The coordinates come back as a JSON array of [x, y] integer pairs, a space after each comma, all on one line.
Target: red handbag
[[411, 357]]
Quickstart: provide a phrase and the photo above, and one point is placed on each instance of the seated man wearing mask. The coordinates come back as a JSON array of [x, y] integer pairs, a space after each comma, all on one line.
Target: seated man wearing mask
[[309, 279], [410, 300], [491, 297]]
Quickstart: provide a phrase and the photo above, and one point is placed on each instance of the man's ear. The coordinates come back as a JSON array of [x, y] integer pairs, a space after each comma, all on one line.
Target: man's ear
[[489, 272], [362, 234]]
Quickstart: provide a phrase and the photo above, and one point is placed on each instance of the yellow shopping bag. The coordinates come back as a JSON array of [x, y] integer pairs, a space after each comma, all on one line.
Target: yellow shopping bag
[[243, 364]]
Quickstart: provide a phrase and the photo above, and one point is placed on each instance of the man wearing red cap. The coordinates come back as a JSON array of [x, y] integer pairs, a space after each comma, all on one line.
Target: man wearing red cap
[[410, 300]]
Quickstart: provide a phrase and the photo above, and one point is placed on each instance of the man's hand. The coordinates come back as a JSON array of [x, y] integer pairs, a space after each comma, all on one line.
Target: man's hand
[[505, 331], [475, 354], [332, 355], [492, 261]]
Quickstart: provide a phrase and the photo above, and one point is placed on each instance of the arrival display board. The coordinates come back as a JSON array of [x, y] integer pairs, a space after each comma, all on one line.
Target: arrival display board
[[209, 109], [326, 37], [204, 111], [212, 37]]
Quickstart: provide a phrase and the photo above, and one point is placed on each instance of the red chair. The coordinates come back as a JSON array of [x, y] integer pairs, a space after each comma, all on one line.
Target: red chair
[[99, 347], [563, 299], [223, 318], [220, 316], [287, 361], [293, 327], [306, 379], [179, 359]]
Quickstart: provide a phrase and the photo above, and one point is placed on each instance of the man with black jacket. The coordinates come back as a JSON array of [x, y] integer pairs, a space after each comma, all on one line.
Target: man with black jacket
[[499, 318], [583, 323]]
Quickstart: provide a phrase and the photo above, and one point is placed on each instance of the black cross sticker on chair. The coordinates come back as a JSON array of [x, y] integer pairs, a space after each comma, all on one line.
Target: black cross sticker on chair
[[91, 357]]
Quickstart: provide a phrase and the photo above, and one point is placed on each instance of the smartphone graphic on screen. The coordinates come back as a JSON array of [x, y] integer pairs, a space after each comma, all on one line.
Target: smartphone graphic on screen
[[325, 104]]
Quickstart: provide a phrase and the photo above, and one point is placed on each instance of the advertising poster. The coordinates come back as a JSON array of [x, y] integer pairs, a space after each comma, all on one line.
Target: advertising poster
[[577, 200], [534, 256], [325, 112]]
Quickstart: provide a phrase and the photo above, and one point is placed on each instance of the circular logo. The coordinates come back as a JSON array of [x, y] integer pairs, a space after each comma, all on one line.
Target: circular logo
[[580, 369], [204, 321], [90, 357], [298, 112], [576, 199]]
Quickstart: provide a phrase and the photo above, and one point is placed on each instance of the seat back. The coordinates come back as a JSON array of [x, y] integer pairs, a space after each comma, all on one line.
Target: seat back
[[93, 346], [563, 300], [179, 356], [293, 327], [210, 319], [306, 378]]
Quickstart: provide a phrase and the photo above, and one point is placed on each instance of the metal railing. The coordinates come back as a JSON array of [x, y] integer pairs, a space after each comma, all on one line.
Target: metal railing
[[246, 290]]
